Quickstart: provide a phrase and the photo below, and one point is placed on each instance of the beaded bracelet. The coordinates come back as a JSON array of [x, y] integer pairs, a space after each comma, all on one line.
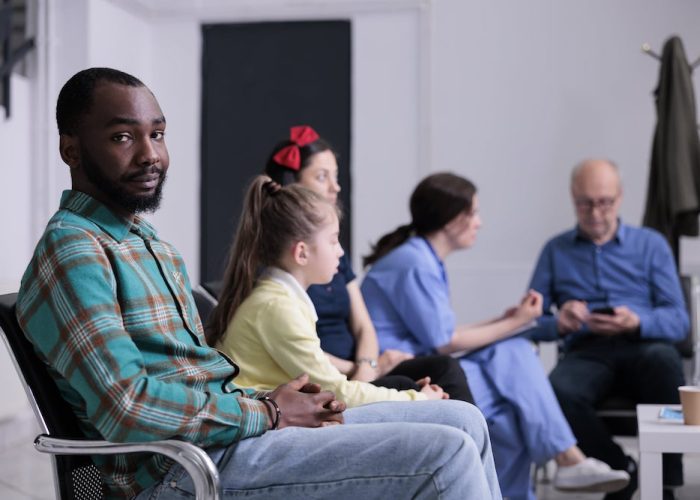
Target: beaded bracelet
[[278, 412]]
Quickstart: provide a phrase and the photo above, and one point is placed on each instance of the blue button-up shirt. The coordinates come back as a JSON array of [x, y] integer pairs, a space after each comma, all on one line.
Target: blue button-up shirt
[[635, 269]]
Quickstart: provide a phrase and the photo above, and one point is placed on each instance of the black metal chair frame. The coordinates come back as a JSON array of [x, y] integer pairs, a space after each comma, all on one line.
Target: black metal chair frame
[[205, 302], [214, 288], [75, 475]]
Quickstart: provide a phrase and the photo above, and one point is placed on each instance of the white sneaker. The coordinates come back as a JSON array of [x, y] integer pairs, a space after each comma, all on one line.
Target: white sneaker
[[590, 475]]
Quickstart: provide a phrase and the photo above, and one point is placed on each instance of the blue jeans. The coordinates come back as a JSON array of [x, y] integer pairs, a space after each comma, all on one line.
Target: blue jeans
[[421, 449]]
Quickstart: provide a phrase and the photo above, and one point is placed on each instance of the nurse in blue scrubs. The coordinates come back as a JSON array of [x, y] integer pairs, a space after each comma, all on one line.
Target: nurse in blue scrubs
[[407, 295]]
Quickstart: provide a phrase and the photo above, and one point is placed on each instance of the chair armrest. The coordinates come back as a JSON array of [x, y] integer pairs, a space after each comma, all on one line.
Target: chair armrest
[[193, 459], [691, 290]]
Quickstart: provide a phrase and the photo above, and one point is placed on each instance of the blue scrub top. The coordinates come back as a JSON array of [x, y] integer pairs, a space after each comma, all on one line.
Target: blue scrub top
[[408, 299]]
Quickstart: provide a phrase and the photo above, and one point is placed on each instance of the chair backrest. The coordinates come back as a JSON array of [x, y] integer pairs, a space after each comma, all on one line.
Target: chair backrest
[[76, 476], [205, 303], [213, 287], [691, 291]]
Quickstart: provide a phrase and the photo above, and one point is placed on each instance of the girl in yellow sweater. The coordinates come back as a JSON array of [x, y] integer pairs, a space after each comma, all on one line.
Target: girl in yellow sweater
[[287, 239]]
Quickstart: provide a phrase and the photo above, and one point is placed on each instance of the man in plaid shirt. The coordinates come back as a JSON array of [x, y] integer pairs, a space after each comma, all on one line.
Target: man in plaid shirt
[[108, 307]]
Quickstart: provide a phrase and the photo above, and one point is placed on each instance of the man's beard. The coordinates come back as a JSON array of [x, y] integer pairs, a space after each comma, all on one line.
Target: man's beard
[[133, 204]]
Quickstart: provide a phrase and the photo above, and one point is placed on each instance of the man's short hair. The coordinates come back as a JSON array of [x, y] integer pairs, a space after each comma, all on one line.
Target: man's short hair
[[76, 96]]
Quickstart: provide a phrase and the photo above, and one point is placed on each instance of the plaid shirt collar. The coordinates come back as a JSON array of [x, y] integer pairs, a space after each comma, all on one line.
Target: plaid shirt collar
[[117, 227]]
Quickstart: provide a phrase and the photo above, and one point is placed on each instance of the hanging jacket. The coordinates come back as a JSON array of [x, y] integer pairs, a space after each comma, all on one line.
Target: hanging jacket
[[673, 194]]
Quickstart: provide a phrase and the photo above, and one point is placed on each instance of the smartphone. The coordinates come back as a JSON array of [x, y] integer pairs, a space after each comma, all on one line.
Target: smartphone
[[604, 310], [672, 414]]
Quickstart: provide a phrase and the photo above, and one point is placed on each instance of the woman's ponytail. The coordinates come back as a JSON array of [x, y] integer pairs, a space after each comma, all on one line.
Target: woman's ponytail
[[387, 243]]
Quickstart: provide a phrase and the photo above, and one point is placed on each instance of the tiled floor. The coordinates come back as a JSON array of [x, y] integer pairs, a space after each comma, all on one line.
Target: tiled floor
[[25, 474]]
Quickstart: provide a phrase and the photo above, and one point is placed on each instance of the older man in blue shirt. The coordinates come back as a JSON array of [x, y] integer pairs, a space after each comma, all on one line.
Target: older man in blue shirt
[[618, 307]]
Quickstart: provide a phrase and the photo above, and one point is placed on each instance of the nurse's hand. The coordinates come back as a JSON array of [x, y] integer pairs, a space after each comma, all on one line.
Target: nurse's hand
[[530, 307]]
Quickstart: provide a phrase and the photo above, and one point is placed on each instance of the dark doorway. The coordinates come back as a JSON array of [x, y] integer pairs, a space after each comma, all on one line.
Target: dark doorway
[[258, 79]]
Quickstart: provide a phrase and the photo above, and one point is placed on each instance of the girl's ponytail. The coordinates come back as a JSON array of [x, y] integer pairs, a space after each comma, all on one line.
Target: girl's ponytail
[[273, 217], [243, 260]]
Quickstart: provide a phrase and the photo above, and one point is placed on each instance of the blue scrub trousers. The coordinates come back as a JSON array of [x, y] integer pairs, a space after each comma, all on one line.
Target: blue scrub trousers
[[524, 418]]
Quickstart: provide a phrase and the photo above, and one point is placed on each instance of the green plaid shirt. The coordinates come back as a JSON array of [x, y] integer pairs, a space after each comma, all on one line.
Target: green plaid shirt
[[108, 306]]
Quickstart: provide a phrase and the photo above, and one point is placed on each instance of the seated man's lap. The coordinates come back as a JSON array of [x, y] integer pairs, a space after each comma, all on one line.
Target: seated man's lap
[[654, 373], [298, 462], [628, 367], [382, 443]]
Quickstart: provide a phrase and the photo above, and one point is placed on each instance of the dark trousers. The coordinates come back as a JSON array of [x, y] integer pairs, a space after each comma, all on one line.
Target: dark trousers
[[444, 371], [644, 371]]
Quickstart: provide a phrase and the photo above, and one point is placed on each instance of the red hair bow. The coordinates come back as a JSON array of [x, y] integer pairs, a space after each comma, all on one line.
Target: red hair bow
[[290, 156]]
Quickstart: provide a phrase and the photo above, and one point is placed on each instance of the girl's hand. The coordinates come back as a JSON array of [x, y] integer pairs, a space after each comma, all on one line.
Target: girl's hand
[[432, 391]]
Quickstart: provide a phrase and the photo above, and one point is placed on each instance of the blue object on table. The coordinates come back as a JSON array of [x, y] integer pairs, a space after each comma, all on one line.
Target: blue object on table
[[672, 414]]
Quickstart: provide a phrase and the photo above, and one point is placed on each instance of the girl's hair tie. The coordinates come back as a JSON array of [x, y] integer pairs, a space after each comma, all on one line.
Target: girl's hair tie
[[271, 187]]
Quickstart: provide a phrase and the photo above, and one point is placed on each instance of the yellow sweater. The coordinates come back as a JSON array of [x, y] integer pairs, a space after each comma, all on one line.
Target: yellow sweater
[[272, 338]]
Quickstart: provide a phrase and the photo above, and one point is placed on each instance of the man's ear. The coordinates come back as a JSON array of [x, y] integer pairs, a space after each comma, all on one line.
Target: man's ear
[[69, 148], [300, 253]]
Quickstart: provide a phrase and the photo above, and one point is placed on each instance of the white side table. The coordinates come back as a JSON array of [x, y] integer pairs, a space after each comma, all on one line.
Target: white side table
[[657, 437]]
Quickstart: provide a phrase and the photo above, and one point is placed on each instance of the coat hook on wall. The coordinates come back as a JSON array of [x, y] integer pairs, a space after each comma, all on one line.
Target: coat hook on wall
[[646, 48], [695, 63]]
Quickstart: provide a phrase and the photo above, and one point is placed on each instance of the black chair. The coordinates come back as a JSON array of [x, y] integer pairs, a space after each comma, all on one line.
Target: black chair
[[619, 412], [214, 288], [204, 301], [75, 475]]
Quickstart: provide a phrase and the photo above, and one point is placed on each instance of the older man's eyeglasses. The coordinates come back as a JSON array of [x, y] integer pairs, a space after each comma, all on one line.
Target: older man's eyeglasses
[[588, 204]]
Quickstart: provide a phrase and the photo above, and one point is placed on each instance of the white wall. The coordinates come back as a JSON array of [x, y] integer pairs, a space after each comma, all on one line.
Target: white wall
[[15, 155], [15, 145], [385, 130]]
